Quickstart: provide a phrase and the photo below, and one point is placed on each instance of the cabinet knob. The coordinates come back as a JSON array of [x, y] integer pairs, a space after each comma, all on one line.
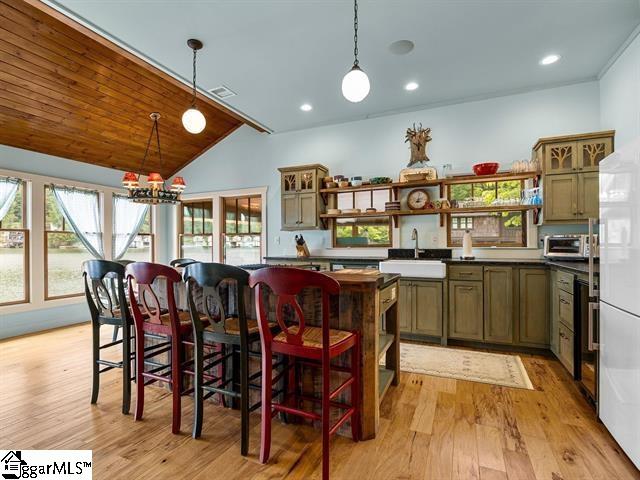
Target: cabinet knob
[[581, 213]]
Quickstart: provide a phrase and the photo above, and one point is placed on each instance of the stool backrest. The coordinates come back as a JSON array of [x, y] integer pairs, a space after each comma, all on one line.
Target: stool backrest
[[146, 307], [286, 283], [181, 262], [203, 282], [104, 289]]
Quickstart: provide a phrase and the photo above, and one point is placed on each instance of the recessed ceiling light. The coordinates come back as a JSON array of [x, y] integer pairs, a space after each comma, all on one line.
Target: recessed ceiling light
[[401, 47], [411, 86], [305, 107], [549, 59]]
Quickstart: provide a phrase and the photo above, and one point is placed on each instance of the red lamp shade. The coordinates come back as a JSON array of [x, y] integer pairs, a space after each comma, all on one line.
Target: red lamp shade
[[130, 180], [155, 179], [178, 185]]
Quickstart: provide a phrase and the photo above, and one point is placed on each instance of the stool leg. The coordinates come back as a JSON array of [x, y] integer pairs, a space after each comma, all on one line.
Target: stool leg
[[198, 354], [115, 333], [139, 377], [355, 390], [126, 367], [95, 386], [176, 382], [235, 374], [244, 399], [265, 443], [325, 416]]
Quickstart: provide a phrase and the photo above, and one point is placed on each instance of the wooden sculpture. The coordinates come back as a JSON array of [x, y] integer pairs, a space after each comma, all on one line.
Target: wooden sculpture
[[418, 139]]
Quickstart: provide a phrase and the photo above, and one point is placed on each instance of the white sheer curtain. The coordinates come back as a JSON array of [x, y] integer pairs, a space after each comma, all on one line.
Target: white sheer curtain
[[81, 208], [8, 191], [128, 217]]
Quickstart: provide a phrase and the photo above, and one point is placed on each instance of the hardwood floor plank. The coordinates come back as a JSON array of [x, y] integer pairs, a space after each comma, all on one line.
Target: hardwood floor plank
[[430, 428]]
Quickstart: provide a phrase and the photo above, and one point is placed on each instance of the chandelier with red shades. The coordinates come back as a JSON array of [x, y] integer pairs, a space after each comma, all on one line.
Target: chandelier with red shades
[[155, 192]]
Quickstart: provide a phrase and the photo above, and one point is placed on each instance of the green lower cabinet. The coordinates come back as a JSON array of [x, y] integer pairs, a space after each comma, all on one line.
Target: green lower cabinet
[[427, 301], [534, 307], [498, 304], [420, 307], [466, 310]]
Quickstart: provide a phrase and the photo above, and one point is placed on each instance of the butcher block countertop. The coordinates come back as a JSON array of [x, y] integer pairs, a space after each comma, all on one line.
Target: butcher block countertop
[[350, 276]]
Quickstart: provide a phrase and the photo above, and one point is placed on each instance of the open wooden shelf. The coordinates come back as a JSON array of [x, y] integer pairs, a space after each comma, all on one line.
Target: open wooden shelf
[[439, 211], [435, 183], [384, 342], [385, 377]]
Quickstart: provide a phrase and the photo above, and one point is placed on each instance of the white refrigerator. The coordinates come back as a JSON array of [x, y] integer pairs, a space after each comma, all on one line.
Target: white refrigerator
[[619, 319]]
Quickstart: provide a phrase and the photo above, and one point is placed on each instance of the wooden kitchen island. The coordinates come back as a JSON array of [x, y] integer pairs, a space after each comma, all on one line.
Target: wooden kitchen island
[[368, 304]]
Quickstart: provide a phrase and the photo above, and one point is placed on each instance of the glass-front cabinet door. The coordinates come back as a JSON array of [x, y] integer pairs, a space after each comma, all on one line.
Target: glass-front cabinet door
[[560, 157], [289, 182], [591, 152], [307, 181]]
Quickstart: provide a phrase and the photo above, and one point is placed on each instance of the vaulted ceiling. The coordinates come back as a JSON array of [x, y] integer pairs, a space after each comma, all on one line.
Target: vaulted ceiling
[[279, 54], [66, 91]]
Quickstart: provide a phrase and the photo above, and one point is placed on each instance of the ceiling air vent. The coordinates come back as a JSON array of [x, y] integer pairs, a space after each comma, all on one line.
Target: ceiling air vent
[[222, 92]]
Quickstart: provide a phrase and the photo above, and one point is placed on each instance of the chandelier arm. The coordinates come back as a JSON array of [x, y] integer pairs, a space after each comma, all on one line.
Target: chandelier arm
[[146, 151]]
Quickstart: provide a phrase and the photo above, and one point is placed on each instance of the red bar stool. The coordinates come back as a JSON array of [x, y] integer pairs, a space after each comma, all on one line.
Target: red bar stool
[[151, 321], [317, 345]]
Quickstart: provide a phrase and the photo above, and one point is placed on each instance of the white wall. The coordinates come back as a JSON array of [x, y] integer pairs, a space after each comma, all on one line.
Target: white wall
[[501, 129], [620, 95]]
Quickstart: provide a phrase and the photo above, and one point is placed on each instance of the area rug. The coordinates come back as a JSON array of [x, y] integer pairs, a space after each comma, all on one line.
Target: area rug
[[493, 368]]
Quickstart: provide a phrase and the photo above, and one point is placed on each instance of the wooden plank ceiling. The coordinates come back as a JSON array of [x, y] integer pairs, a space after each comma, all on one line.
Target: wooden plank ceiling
[[69, 92]]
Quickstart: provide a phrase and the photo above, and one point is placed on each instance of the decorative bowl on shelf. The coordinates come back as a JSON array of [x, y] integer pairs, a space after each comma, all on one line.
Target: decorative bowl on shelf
[[371, 210], [334, 211], [488, 168], [356, 181], [414, 177]]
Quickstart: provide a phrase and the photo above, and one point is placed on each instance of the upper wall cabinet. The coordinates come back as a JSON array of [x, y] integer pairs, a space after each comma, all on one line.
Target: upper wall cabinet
[[302, 204], [570, 168]]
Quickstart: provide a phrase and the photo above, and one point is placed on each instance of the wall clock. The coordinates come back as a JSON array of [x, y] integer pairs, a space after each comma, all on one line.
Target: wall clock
[[418, 199]]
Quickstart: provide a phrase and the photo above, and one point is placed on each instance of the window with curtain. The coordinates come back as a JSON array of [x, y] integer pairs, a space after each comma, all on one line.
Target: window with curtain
[[64, 252], [241, 230], [133, 237], [14, 242], [196, 230]]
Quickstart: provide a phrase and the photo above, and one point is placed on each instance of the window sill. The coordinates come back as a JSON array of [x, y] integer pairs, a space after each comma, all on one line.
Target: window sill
[[40, 305]]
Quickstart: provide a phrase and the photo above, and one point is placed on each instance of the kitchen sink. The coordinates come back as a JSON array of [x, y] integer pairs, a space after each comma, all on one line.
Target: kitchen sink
[[415, 268]]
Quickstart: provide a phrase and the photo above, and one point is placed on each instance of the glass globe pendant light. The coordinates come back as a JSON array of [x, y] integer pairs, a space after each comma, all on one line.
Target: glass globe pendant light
[[355, 84], [193, 120]]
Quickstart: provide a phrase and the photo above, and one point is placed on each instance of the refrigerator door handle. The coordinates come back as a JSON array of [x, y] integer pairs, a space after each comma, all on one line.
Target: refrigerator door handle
[[592, 346], [593, 292]]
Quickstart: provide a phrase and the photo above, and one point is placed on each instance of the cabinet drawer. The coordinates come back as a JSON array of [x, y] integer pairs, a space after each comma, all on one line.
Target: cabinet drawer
[[465, 272], [566, 348], [388, 297], [565, 281], [565, 309]]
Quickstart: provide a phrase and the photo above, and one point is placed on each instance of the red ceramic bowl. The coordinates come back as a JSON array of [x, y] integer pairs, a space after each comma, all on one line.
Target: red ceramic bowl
[[485, 168]]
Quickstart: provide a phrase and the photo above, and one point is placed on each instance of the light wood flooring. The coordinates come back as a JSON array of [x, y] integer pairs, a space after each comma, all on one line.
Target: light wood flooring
[[431, 428]]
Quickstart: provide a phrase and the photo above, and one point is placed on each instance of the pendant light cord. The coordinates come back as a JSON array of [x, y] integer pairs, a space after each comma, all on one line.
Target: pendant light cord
[[146, 151], [193, 100], [355, 32]]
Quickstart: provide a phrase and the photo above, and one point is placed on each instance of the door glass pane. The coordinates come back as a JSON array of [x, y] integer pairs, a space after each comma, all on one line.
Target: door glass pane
[[54, 219], [256, 215], [208, 217], [242, 249], [230, 215], [65, 255], [13, 218], [12, 266], [198, 247], [243, 215]]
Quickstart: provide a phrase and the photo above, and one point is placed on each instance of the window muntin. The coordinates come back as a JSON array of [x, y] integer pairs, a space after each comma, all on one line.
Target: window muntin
[[501, 229], [363, 231], [64, 253], [14, 251], [196, 237], [142, 248], [242, 228]]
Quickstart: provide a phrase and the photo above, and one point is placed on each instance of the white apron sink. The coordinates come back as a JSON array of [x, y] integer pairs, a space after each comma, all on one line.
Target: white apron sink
[[415, 268]]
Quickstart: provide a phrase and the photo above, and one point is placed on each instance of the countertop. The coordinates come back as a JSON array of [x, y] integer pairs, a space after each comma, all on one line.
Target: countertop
[[326, 259], [575, 266], [357, 276]]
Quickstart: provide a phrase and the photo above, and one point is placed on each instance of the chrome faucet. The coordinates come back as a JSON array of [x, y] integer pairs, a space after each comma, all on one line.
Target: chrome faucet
[[416, 250]]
